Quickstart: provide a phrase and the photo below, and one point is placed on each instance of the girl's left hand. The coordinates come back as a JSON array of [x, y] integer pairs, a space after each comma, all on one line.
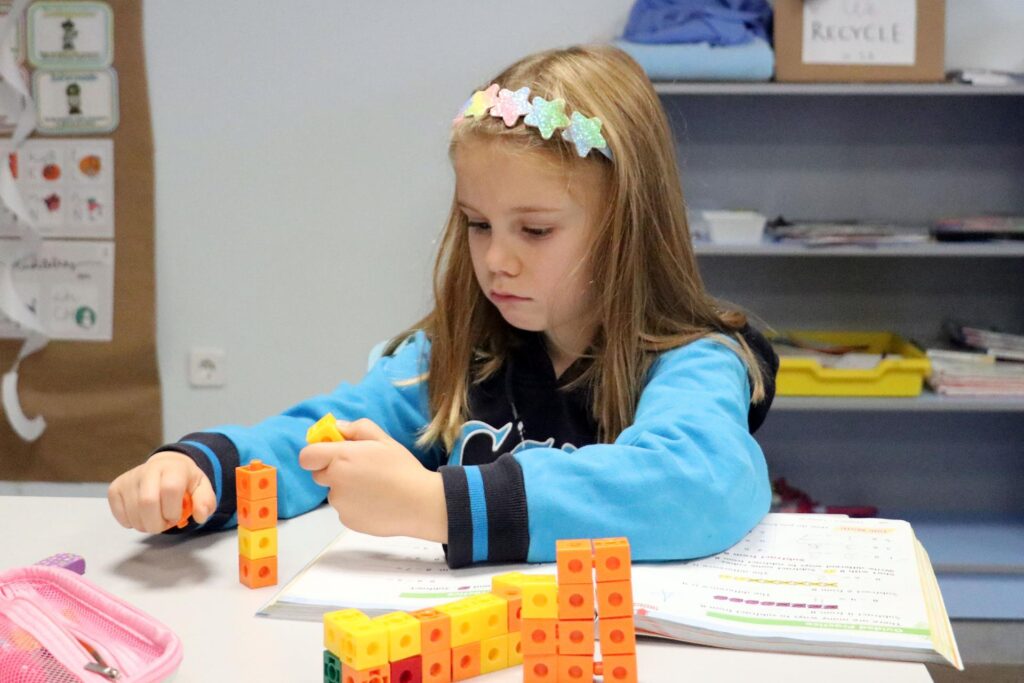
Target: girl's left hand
[[377, 486]]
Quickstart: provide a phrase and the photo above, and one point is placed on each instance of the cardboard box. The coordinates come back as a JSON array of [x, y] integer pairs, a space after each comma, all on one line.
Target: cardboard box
[[860, 40]]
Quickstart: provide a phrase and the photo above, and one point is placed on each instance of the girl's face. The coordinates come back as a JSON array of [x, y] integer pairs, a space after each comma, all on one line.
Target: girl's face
[[529, 236]]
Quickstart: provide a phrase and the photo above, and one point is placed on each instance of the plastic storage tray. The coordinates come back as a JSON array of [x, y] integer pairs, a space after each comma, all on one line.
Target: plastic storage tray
[[902, 376]]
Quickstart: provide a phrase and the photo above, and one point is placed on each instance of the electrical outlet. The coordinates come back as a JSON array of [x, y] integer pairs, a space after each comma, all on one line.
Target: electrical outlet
[[206, 368]]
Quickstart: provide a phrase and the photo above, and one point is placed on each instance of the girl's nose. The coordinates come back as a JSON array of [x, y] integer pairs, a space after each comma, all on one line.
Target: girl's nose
[[501, 257]]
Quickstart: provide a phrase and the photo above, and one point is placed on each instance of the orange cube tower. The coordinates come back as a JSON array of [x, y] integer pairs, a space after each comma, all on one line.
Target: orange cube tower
[[256, 493]]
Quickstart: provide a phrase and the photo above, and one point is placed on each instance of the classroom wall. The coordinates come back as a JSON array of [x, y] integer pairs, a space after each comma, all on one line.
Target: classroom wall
[[302, 179]]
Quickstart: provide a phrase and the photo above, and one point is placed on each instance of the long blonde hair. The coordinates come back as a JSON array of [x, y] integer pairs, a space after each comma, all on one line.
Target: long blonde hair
[[648, 293]]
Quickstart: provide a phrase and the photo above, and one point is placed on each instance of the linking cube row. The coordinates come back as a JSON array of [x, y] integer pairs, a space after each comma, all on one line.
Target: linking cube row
[[452, 642], [256, 495], [544, 622]]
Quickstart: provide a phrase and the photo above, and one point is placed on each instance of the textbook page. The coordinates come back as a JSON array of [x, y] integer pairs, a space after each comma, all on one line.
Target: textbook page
[[380, 575], [814, 578]]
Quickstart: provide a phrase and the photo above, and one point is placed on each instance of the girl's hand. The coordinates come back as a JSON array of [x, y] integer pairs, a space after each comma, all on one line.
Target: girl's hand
[[149, 497], [377, 486]]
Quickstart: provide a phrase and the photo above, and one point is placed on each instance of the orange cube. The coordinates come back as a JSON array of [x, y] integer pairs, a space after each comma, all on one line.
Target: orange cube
[[576, 601], [437, 666], [618, 636], [615, 599], [435, 630], [540, 669], [612, 559], [515, 648], [573, 668], [374, 674], [466, 661], [257, 573], [256, 481], [575, 561], [576, 637], [619, 668], [539, 637], [257, 514]]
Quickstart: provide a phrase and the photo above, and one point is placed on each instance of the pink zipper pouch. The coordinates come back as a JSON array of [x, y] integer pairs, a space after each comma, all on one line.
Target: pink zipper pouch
[[58, 627]]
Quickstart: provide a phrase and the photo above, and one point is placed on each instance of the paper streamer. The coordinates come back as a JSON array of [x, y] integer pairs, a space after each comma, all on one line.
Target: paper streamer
[[28, 241]]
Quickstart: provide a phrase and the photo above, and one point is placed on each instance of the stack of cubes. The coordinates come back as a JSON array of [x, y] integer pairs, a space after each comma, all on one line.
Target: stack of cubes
[[256, 489], [451, 642], [558, 620]]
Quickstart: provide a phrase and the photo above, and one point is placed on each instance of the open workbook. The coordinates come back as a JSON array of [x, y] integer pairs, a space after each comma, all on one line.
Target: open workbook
[[815, 584]]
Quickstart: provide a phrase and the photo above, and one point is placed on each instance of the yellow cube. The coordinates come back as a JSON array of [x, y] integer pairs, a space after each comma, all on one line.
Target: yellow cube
[[494, 654], [467, 621], [364, 645], [257, 544], [495, 614], [403, 635], [540, 597], [515, 648], [508, 584], [333, 623], [324, 429]]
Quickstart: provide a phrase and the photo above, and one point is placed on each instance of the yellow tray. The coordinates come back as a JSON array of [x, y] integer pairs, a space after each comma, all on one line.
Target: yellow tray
[[891, 377]]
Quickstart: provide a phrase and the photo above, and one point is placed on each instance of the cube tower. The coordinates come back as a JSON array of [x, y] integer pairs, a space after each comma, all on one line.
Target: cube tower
[[256, 495]]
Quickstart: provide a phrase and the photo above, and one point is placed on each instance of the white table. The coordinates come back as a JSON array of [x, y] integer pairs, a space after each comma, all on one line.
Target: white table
[[191, 585]]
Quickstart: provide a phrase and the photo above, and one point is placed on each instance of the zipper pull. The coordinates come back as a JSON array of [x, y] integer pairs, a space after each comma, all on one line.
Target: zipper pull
[[103, 670], [99, 666]]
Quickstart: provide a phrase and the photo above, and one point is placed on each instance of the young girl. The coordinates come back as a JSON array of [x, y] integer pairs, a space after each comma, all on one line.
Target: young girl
[[574, 379]]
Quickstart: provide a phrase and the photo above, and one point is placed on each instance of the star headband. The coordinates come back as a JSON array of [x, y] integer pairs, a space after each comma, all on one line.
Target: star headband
[[547, 117]]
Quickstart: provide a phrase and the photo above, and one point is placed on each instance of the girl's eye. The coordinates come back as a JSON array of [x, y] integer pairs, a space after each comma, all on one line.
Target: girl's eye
[[479, 225], [537, 232]]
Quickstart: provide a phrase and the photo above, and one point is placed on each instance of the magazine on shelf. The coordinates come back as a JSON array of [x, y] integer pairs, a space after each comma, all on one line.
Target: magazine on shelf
[[800, 583]]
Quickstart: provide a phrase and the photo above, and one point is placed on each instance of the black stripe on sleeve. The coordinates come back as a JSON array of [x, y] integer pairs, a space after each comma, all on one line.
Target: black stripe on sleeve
[[508, 525], [460, 521]]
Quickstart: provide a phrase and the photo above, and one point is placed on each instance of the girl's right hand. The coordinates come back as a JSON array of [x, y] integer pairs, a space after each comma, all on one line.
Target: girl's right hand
[[149, 497]]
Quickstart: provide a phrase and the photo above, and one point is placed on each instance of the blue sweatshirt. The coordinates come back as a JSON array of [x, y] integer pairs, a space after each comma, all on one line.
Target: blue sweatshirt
[[686, 479]]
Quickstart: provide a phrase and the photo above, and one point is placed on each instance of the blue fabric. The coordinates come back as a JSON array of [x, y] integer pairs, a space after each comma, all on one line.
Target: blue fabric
[[718, 22], [390, 395], [753, 61], [478, 513], [685, 480]]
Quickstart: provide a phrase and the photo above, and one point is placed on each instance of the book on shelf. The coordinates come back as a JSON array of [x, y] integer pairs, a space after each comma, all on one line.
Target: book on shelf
[[799, 583]]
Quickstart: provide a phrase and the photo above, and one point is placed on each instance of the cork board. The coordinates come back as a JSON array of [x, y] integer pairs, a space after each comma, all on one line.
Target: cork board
[[101, 400]]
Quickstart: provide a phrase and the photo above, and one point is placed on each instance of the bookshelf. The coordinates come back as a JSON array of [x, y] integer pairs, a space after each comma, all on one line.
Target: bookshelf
[[879, 153]]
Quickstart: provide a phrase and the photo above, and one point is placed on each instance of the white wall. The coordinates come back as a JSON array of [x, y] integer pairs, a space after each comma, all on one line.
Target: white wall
[[302, 176]]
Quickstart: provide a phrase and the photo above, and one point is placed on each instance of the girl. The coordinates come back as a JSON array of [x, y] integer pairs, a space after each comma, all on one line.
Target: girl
[[574, 379]]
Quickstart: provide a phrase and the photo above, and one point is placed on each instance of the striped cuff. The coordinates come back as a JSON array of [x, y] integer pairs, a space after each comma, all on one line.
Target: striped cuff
[[487, 519], [217, 457]]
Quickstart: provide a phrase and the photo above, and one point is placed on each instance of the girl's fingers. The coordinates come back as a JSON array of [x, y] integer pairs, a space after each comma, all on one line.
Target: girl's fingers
[[149, 501], [116, 502]]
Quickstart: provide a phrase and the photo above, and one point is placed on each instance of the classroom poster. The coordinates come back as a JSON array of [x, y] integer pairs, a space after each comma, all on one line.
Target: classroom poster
[[92, 283]]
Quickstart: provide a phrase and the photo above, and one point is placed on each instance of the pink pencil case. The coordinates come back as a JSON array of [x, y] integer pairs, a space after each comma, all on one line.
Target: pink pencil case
[[58, 627]]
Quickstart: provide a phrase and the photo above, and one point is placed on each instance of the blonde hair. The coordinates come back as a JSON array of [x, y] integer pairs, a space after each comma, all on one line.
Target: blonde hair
[[648, 293]]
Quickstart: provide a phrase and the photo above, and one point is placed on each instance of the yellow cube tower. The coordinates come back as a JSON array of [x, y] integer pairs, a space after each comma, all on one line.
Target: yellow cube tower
[[256, 495]]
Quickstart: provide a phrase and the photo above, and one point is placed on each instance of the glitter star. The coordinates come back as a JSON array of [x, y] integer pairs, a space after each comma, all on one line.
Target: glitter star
[[482, 101], [547, 116], [512, 105], [584, 133]]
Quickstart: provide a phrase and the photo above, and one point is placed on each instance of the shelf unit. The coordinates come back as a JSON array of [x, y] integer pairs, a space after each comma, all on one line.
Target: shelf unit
[[953, 467]]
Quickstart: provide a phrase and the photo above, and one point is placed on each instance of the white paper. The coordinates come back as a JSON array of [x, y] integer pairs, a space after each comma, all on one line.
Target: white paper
[[70, 102], [70, 35], [70, 287], [67, 187], [875, 32]]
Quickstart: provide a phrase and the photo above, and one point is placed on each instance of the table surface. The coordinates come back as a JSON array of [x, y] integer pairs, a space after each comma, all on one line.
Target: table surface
[[191, 585]]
